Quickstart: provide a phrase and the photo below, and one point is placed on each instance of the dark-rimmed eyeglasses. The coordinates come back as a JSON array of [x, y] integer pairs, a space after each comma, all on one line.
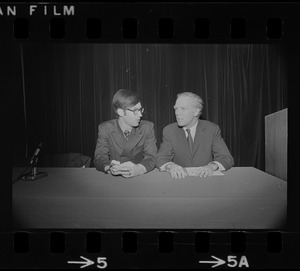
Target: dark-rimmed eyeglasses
[[136, 110]]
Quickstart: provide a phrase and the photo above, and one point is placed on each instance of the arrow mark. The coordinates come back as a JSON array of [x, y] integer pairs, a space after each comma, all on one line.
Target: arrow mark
[[86, 263], [217, 262]]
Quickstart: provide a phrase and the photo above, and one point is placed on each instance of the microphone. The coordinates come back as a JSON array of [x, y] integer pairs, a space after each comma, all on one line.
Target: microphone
[[35, 155]]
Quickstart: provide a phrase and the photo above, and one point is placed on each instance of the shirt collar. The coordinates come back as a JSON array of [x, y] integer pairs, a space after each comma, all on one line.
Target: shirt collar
[[193, 128], [121, 129]]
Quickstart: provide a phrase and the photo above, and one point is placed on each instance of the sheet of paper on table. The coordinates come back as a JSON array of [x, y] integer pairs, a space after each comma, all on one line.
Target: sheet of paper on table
[[191, 171]]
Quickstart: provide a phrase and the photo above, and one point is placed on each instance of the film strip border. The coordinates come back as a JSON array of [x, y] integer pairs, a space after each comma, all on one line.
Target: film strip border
[[162, 23], [169, 249], [151, 22]]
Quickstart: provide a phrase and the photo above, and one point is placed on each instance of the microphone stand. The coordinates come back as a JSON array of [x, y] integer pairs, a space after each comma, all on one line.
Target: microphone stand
[[34, 174]]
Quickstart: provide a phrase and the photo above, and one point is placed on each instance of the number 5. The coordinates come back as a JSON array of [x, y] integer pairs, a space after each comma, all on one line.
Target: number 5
[[233, 260], [101, 262]]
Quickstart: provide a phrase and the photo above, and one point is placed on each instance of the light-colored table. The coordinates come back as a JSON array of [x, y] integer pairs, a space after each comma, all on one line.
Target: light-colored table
[[72, 198]]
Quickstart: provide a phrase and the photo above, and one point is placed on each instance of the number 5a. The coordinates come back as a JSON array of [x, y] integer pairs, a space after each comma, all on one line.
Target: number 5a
[[232, 262], [101, 262]]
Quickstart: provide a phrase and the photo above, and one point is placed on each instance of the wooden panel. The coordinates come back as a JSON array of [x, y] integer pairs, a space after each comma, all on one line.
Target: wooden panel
[[276, 136]]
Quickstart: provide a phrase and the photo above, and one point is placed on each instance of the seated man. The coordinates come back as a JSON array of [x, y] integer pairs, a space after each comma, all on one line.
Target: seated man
[[126, 145], [191, 142]]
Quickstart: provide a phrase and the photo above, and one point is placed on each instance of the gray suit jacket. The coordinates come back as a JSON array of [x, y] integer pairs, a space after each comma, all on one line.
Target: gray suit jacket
[[140, 148], [208, 146]]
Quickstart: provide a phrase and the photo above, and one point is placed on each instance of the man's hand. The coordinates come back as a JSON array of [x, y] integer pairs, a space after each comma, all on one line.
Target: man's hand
[[204, 171], [176, 171], [129, 169], [116, 169], [112, 163]]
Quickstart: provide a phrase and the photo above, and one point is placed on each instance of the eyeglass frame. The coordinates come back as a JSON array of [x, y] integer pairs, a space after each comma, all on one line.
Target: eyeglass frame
[[136, 110]]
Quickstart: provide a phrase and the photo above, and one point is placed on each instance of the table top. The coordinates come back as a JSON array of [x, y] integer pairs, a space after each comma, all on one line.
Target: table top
[[243, 198]]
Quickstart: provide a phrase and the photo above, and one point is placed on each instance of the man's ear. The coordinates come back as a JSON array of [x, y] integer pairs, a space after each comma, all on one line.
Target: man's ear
[[120, 112], [197, 112]]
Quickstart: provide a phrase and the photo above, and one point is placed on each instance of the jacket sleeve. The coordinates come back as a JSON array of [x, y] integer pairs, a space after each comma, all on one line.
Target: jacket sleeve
[[166, 151], [220, 151], [102, 155], [150, 149]]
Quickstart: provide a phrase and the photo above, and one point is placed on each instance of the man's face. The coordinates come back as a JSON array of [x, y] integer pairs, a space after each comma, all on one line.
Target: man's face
[[129, 116], [185, 111]]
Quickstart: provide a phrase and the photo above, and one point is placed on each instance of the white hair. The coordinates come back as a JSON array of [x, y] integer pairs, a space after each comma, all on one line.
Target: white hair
[[197, 100]]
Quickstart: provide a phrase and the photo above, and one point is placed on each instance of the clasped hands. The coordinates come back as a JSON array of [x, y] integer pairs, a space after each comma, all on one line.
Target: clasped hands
[[126, 169], [177, 171]]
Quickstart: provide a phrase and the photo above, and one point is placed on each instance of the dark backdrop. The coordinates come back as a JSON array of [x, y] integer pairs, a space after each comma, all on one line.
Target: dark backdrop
[[63, 91]]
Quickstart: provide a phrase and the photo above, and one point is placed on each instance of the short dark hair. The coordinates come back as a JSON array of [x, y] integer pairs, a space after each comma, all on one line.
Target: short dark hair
[[124, 99]]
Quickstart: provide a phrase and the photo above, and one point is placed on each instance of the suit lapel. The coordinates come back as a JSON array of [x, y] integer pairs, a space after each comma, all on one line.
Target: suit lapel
[[198, 136], [133, 139], [118, 135]]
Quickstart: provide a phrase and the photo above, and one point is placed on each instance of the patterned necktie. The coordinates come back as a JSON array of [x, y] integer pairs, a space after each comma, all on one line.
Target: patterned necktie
[[126, 133], [190, 140]]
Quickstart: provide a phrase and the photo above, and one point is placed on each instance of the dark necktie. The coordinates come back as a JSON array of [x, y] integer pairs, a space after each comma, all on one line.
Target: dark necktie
[[190, 140], [126, 133]]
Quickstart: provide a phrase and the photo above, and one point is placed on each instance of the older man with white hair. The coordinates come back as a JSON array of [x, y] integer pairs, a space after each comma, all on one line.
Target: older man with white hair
[[192, 142]]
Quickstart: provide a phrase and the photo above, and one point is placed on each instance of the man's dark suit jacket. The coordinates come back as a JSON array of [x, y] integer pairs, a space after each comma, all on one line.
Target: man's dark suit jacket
[[140, 148], [208, 146]]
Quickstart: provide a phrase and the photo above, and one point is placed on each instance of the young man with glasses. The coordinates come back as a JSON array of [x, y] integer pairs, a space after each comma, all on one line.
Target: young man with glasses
[[126, 145]]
